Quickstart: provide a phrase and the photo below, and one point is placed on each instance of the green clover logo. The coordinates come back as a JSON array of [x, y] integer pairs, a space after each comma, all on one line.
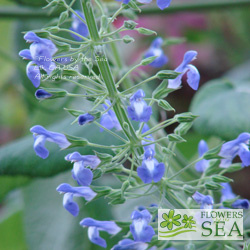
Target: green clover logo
[[170, 219], [188, 221]]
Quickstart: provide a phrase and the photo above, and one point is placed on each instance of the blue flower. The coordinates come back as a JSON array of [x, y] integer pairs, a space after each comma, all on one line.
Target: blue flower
[[139, 228], [151, 169], [41, 94], [228, 194], [94, 226], [231, 149], [202, 165], [40, 53], [148, 137], [156, 50], [80, 173], [193, 76], [85, 118], [40, 135], [206, 201], [138, 109], [70, 192], [128, 244], [109, 119], [162, 4], [78, 26]]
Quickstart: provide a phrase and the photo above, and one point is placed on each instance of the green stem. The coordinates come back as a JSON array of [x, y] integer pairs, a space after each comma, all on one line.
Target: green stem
[[105, 71]]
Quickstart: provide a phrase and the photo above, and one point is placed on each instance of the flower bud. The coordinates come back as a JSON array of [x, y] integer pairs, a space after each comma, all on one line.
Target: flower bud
[[165, 105], [48, 93], [167, 74], [146, 32], [130, 24], [128, 39]]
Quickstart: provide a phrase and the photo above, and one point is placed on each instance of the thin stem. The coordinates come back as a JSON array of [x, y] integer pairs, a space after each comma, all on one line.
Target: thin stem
[[127, 74], [117, 13], [185, 168], [110, 132], [76, 34], [114, 32], [137, 85], [65, 40], [85, 87]]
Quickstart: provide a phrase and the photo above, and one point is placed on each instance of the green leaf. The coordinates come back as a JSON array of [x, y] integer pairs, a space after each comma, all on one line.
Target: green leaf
[[12, 235], [49, 226], [167, 74], [8, 183], [19, 158], [223, 107], [175, 138]]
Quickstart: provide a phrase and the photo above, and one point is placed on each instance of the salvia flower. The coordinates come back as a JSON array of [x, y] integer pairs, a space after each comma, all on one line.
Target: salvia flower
[[193, 75], [141, 231], [138, 109], [85, 118], [228, 194], [40, 53], [206, 201], [41, 135], [151, 169], [80, 172], [79, 26], [162, 4], [128, 244], [42, 94], [70, 192], [231, 149], [148, 137], [109, 119], [202, 165], [94, 226], [156, 50]]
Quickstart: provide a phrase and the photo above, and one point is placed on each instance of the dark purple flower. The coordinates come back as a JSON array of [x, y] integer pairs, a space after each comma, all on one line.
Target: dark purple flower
[[85, 118], [42, 94]]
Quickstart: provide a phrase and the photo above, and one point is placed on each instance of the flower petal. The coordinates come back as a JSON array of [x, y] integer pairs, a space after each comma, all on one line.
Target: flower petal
[[162, 4], [33, 74], [70, 205]]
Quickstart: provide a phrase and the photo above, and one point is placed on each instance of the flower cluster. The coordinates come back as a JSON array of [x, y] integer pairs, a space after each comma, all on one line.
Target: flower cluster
[[126, 115]]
